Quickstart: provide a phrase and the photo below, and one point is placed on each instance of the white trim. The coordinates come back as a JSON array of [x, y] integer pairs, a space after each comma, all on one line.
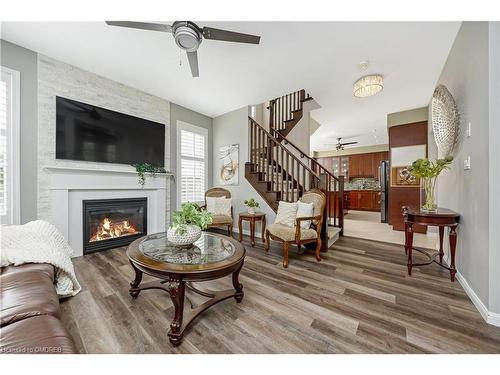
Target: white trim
[[488, 316], [126, 170], [494, 169], [15, 146], [181, 125]]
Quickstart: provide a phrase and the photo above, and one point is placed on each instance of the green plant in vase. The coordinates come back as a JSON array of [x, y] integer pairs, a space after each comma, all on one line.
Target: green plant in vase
[[252, 204], [187, 224], [428, 171]]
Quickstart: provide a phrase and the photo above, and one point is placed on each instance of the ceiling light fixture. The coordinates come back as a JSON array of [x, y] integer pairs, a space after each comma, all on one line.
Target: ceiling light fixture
[[368, 85]]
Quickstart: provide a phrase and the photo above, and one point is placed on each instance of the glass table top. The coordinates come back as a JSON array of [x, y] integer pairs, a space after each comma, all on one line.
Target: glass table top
[[208, 249]]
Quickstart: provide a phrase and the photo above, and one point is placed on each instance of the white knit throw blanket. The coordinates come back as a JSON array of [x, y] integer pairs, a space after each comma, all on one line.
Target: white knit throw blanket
[[40, 242]]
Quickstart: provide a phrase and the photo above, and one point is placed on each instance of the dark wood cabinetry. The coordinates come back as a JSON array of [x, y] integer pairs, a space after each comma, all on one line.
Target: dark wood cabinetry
[[359, 165], [364, 200], [366, 165]]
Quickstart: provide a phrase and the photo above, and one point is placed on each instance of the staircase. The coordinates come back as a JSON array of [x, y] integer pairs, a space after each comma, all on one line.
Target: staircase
[[286, 111], [280, 171]]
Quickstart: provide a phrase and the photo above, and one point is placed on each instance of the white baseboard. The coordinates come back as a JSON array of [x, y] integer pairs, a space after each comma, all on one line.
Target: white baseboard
[[488, 316]]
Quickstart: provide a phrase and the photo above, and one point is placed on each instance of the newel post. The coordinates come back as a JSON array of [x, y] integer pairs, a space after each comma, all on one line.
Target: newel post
[[341, 205]]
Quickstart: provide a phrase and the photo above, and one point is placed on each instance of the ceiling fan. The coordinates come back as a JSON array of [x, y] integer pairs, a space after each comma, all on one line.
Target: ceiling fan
[[188, 36], [340, 145]]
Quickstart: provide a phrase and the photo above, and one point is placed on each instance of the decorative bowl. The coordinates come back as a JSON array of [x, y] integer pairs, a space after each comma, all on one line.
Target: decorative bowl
[[192, 234]]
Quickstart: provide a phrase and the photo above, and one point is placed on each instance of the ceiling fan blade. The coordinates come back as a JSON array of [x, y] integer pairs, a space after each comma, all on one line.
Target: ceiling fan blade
[[229, 36], [142, 25], [193, 63]]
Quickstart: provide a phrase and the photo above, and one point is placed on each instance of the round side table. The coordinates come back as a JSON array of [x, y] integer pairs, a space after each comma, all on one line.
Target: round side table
[[442, 218], [252, 218]]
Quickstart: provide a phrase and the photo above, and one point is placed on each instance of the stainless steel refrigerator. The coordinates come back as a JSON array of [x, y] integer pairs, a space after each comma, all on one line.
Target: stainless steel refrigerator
[[384, 191]]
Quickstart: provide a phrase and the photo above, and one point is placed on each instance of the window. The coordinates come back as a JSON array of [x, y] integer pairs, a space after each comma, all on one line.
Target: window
[[9, 146], [192, 163]]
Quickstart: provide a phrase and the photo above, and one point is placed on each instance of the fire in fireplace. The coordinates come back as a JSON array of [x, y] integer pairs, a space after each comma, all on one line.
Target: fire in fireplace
[[109, 223]]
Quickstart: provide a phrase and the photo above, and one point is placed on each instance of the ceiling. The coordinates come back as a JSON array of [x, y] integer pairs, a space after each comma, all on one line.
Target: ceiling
[[321, 57]]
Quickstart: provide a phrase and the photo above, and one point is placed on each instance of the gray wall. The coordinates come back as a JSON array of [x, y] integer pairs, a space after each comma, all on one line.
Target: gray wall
[[25, 62], [180, 113], [467, 77], [494, 167], [232, 128]]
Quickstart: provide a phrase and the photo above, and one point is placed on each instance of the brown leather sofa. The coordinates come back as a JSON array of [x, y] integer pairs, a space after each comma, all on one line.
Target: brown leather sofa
[[29, 319]]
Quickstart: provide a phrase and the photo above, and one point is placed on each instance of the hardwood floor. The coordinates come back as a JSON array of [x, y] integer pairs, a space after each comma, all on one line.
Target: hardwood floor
[[358, 299]]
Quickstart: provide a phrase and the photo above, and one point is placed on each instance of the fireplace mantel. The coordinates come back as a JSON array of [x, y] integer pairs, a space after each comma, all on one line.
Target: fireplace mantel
[[69, 186], [68, 169]]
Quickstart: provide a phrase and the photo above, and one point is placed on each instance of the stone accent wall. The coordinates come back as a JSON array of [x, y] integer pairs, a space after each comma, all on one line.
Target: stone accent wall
[[56, 78]]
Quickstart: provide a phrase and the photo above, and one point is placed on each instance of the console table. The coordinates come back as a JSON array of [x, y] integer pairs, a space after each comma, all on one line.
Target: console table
[[442, 218]]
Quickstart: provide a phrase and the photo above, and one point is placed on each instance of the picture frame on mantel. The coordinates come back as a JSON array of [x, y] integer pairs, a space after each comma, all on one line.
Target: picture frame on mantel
[[229, 165]]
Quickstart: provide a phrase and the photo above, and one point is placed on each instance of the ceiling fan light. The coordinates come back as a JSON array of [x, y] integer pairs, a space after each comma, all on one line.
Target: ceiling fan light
[[186, 37], [368, 85]]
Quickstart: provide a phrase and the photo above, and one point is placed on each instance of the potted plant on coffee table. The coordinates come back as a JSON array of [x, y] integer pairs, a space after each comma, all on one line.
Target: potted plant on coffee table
[[187, 224], [252, 204]]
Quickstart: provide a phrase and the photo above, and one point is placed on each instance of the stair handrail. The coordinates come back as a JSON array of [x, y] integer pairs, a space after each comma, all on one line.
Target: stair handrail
[[303, 154], [322, 170], [281, 106], [285, 149]]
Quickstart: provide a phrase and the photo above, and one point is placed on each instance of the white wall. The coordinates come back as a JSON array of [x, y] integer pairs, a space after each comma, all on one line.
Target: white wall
[[232, 128], [466, 74], [61, 79]]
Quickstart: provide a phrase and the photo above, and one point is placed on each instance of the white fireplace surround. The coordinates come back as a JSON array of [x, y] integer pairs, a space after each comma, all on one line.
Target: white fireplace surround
[[69, 187]]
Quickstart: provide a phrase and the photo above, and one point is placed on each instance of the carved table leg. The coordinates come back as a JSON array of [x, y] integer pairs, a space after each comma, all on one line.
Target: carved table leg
[[406, 238], [176, 289], [252, 232], [409, 234], [239, 228], [237, 285], [453, 246], [134, 291], [263, 227], [441, 235]]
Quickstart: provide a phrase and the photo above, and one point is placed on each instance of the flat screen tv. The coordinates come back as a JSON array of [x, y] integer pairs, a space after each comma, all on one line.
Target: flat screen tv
[[89, 133]]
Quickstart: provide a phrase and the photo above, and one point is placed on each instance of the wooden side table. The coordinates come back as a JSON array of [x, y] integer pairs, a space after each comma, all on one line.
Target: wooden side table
[[252, 218], [442, 218]]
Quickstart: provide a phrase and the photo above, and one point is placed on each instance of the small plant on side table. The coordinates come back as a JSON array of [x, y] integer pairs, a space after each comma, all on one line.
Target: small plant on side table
[[187, 224], [252, 204], [428, 172], [143, 168]]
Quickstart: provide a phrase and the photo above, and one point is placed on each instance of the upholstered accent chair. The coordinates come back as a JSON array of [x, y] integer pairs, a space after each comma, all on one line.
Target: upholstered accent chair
[[297, 235], [220, 220]]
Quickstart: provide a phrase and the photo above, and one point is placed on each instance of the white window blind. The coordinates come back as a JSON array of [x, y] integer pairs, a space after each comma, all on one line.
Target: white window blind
[[9, 146], [193, 168], [3, 148]]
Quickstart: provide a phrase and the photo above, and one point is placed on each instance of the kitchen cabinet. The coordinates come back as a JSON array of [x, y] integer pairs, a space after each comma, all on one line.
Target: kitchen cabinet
[[334, 209], [360, 165], [326, 162], [364, 200], [366, 165]]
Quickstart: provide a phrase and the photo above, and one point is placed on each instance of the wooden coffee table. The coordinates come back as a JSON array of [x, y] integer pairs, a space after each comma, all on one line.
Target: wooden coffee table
[[211, 257]]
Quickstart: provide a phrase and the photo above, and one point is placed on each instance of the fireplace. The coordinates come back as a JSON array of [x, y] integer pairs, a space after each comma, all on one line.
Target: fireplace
[[110, 223]]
